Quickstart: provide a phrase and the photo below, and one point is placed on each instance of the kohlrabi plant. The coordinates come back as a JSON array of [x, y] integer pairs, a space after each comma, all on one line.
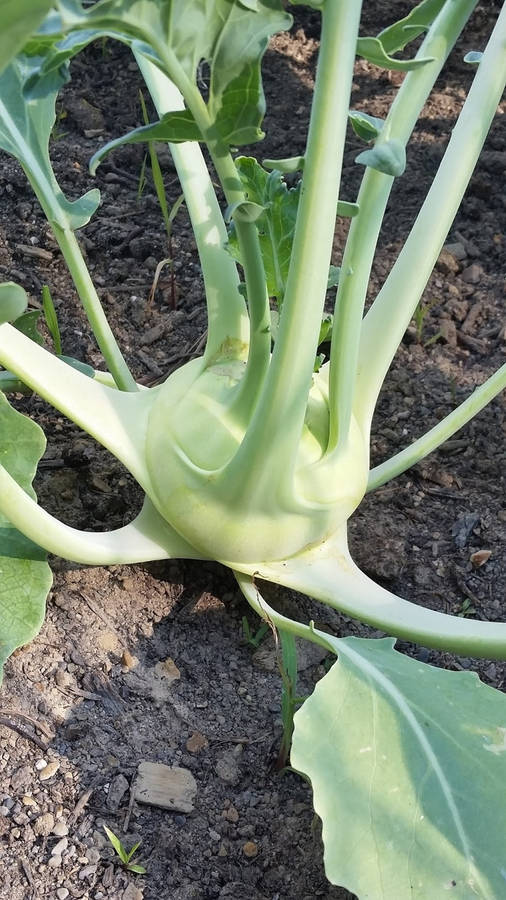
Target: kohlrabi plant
[[247, 455]]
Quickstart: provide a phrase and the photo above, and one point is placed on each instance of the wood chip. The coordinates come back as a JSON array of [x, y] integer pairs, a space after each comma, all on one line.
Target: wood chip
[[166, 786], [80, 805], [35, 252]]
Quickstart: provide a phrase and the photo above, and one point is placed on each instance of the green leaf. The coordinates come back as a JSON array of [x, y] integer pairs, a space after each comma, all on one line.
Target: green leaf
[[365, 126], [347, 210], [378, 50], [27, 324], [230, 36], [10, 384], [333, 279], [473, 58], [244, 211], [131, 852], [286, 166], [275, 222], [51, 319], [315, 4], [25, 577], [116, 843], [388, 157], [19, 19], [396, 36], [174, 127], [408, 766], [13, 301], [25, 129], [138, 870], [372, 49], [87, 370]]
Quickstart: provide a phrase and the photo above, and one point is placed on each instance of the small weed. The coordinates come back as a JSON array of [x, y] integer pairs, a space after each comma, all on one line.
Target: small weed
[[57, 132], [419, 317], [125, 855], [253, 638], [466, 609]]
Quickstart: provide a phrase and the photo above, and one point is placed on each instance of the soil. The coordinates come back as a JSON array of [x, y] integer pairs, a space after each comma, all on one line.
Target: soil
[[150, 663]]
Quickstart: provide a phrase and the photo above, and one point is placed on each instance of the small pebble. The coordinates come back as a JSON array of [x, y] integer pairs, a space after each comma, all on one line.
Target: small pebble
[[62, 893], [87, 872], [61, 829], [55, 862], [4, 810], [128, 660], [49, 770], [60, 847], [231, 814], [93, 856], [250, 849], [40, 764], [63, 679], [43, 825]]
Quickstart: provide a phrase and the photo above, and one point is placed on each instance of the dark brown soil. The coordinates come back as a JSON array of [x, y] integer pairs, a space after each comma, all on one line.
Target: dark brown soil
[[94, 680]]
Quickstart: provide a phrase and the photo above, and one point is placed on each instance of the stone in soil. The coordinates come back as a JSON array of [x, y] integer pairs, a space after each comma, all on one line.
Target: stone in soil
[[166, 786], [131, 892], [44, 824], [48, 771], [227, 767], [117, 790]]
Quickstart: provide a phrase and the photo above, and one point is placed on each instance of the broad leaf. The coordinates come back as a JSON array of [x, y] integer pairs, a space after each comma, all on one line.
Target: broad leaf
[[18, 21], [25, 577], [231, 36], [25, 130], [408, 766], [277, 207]]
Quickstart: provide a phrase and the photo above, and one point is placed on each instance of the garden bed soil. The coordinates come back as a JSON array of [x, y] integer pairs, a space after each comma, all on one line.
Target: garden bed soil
[[150, 663]]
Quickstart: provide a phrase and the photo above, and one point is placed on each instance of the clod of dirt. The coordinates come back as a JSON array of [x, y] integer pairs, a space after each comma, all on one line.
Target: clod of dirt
[[227, 766]]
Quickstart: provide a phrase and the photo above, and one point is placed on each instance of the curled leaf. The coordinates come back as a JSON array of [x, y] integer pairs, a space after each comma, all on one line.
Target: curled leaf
[[365, 126], [286, 166], [388, 157], [244, 211], [473, 58]]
